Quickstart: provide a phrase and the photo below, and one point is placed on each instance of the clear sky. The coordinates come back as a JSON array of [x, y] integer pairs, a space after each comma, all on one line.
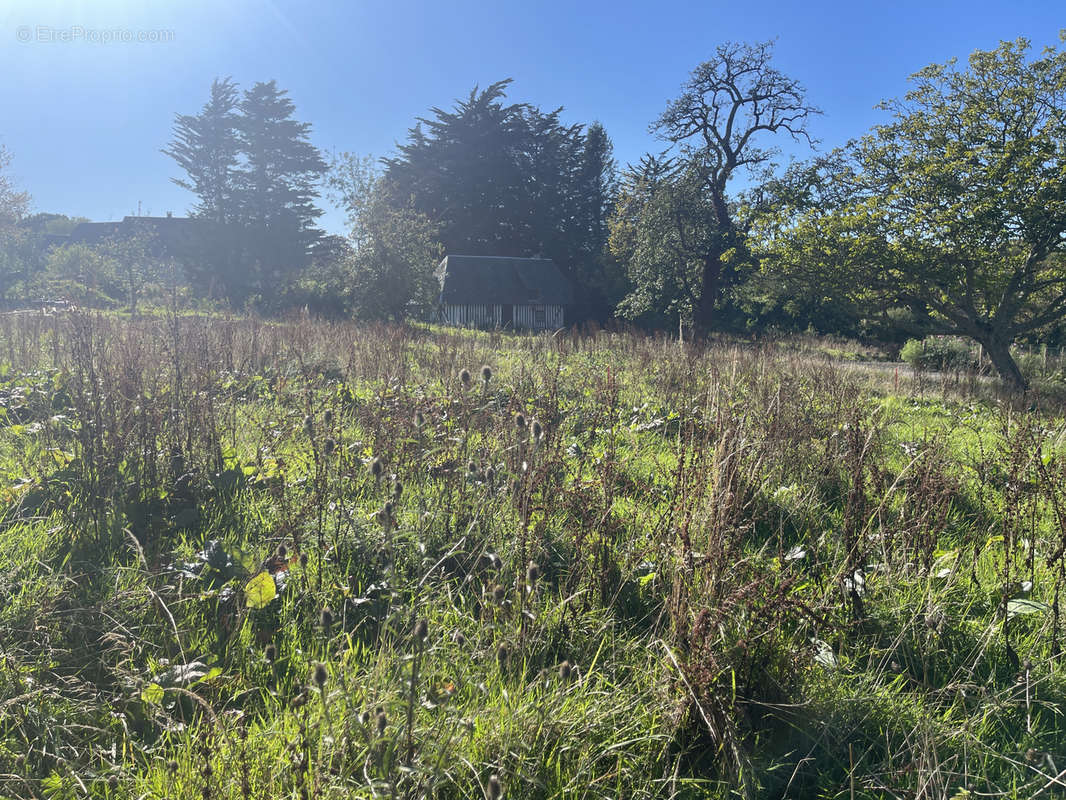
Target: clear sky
[[85, 111]]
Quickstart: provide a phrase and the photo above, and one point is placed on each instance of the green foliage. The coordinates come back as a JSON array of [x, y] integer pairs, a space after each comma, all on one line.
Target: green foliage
[[512, 180], [956, 209], [945, 353], [394, 250], [255, 173], [252, 559], [676, 228]]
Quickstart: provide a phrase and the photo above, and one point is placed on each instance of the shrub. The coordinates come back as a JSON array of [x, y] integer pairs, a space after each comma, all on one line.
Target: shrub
[[946, 353]]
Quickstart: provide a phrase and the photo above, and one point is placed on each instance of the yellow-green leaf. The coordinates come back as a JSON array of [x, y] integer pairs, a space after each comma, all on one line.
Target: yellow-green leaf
[[153, 693], [260, 590]]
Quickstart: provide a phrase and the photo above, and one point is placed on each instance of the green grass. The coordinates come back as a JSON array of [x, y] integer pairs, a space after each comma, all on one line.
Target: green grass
[[721, 572]]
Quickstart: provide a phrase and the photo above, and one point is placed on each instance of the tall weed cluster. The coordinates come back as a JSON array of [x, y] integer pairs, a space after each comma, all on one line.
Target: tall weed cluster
[[304, 559]]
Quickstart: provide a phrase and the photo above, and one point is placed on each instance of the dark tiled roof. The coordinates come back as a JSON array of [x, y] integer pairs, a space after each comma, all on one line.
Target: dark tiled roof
[[507, 281], [166, 228]]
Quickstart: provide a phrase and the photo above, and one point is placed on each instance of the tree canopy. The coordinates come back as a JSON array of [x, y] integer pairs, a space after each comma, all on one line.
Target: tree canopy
[[955, 210], [713, 129], [510, 179], [254, 170]]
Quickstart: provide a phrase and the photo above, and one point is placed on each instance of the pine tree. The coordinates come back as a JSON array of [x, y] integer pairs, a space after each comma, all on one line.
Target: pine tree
[[277, 185], [206, 147]]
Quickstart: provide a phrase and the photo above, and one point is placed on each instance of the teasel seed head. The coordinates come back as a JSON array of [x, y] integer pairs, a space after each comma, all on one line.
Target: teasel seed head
[[464, 376], [502, 654], [283, 551], [397, 489], [326, 620], [565, 671], [520, 421], [172, 765], [309, 425], [421, 630], [376, 468], [303, 560], [498, 594], [420, 419], [380, 720], [388, 509], [459, 638], [319, 675], [471, 468], [112, 781], [536, 430], [495, 790], [270, 653], [327, 416], [486, 373], [532, 574], [364, 717]]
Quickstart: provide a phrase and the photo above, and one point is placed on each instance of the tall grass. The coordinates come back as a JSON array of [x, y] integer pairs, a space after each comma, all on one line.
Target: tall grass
[[303, 559]]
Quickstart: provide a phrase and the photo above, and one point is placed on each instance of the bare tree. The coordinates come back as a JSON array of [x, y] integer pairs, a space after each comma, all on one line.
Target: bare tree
[[726, 107]]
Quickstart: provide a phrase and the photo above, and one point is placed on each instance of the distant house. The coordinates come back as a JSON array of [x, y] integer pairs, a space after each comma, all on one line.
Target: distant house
[[498, 292], [167, 235]]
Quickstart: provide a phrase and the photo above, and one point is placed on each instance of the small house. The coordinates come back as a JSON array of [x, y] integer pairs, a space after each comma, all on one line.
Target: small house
[[500, 292]]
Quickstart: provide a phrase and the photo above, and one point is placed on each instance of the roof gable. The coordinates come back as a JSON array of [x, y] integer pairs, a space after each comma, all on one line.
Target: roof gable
[[501, 280]]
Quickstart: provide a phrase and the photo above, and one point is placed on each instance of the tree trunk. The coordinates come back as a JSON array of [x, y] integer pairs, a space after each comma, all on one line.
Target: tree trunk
[[999, 354], [703, 314]]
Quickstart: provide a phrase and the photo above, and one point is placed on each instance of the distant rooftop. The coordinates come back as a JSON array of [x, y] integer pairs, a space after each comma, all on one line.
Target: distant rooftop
[[502, 280]]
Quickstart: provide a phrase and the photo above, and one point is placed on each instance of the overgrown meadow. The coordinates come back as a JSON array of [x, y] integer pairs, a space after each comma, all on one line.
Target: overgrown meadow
[[305, 560]]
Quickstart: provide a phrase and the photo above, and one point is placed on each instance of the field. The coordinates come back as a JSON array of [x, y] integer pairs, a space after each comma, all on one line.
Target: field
[[242, 559]]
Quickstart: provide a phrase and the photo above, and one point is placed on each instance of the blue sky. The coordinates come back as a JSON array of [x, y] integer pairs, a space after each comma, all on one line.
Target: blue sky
[[85, 118]]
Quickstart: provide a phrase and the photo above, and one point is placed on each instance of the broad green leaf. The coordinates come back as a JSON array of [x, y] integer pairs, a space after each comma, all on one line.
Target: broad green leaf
[[1018, 607], [260, 590], [153, 694]]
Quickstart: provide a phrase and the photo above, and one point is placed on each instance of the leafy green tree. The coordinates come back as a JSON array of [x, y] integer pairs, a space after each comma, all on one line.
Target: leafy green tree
[[956, 210], [207, 148], [660, 230], [14, 204], [713, 131], [79, 273], [48, 224], [394, 248]]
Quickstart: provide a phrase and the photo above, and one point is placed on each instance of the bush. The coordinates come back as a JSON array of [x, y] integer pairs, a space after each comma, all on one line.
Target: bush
[[945, 353]]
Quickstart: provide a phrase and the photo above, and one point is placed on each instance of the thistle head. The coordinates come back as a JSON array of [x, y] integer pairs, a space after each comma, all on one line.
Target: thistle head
[[565, 671]]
